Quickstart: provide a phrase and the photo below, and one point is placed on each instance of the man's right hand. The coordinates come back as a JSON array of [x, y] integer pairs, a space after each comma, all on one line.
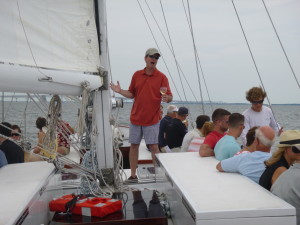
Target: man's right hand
[[116, 87]]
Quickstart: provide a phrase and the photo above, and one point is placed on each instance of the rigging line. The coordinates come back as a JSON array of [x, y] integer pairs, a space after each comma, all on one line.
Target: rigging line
[[110, 71], [195, 54], [108, 60], [42, 102], [12, 98], [198, 58], [253, 60], [172, 48], [2, 106], [202, 72], [73, 99], [36, 104], [29, 46], [281, 43], [173, 54], [159, 49], [25, 124], [204, 80]]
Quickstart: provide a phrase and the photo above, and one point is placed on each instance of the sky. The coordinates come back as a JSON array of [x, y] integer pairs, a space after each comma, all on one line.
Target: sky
[[228, 67]]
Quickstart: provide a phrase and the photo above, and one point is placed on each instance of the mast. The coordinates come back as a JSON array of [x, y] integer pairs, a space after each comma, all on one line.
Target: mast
[[102, 101]]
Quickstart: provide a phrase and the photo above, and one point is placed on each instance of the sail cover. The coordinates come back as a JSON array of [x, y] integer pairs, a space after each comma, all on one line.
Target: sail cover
[[55, 34]]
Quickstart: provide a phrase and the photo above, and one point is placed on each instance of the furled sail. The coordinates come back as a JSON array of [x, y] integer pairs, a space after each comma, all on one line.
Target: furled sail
[[48, 43]]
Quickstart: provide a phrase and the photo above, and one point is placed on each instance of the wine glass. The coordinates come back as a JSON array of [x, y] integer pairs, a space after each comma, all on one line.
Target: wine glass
[[163, 90]]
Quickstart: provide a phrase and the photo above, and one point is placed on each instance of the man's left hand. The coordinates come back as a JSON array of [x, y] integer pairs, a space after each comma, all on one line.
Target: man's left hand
[[164, 98]]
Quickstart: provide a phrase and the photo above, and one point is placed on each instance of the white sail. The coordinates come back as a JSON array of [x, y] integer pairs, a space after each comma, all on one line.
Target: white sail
[[50, 34]]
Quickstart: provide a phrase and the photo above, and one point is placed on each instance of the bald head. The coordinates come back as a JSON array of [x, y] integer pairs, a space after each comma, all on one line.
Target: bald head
[[266, 136]]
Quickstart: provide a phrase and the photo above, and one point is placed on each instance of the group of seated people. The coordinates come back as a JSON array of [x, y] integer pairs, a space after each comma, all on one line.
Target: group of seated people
[[278, 172], [14, 150], [257, 128]]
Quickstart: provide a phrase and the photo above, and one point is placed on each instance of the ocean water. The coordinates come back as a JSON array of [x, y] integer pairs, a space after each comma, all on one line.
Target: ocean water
[[25, 114], [287, 116]]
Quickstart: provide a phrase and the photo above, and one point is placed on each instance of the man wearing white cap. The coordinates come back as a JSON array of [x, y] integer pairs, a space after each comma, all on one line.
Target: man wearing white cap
[[164, 123], [148, 87]]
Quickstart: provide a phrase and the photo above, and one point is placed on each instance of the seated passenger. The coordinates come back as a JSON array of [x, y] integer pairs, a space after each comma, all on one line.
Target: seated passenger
[[198, 141], [286, 154], [287, 187], [163, 126], [177, 130], [220, 119], [13, 152], [227, 146], [64, 130], [41, 124], [250, 145], [251, 165], [195, 132], [16, 133]]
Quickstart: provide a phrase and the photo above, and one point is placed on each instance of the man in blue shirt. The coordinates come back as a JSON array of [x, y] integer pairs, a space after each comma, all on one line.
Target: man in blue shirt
[[251, 164], [227, 146]]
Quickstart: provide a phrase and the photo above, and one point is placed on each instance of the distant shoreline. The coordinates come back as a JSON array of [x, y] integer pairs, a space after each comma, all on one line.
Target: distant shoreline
[[22, 98], [176, 102]]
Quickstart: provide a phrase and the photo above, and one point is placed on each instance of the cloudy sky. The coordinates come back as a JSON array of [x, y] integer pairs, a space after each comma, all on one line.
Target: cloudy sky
[[226, 62]]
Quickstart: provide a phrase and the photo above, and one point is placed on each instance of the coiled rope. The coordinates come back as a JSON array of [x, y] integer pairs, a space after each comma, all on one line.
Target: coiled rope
[[54, 114]]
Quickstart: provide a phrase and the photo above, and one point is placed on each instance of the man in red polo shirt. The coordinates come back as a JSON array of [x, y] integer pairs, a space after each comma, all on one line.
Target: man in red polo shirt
[[220, 119], [147, 88]]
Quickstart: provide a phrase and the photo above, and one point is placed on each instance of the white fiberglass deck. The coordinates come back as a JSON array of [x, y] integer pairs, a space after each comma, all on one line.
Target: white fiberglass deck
[[213, 197], [19, 184]]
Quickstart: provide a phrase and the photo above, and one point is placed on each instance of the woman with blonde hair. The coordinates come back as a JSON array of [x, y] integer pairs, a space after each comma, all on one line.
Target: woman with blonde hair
[[287, 153]]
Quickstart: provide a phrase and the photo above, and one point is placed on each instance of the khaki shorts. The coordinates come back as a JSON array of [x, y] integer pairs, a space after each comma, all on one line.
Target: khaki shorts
[[150, 134]]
